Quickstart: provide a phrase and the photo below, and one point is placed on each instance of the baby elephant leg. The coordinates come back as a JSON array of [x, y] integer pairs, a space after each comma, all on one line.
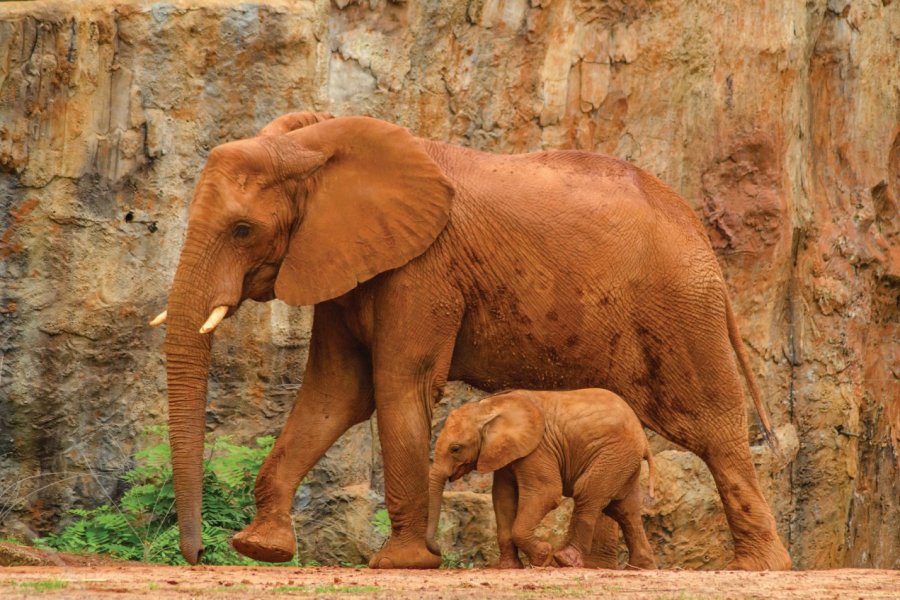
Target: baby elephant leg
[[532, 508], [627, 512], [505, 497], [590, 499], [604, 553]]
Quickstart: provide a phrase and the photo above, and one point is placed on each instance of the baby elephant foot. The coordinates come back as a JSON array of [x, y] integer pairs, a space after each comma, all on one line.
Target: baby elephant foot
[[509, 556], [405, 555], [510, 561], [542, 555], [269, 539], [602, 558], [570, 556]]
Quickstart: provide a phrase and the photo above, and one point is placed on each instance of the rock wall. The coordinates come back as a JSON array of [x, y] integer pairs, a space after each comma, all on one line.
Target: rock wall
[[778, 123]]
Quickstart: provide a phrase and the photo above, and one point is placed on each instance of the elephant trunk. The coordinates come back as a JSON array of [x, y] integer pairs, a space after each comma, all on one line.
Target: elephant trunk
[[187, 369], [436, 482]]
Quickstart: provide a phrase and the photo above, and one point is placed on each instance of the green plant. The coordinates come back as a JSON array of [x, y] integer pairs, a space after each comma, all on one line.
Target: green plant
[[347, 589], [44, 585], [381, 522], [10, 539], [143, 525], [326, 589]]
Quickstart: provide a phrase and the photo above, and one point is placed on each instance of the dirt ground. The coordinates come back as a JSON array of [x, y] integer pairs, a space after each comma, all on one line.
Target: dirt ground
[[125, 581], [27, 572]]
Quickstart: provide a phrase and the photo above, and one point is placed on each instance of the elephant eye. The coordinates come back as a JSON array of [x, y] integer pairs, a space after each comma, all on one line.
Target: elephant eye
[[241, 231], [455, 448]]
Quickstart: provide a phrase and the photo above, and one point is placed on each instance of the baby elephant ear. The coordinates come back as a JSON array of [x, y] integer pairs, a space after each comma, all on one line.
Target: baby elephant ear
[[292, 121], [514, 431], [377, 202]]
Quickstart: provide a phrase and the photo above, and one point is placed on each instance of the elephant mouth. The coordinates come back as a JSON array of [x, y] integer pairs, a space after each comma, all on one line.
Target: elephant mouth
[[461, 470]]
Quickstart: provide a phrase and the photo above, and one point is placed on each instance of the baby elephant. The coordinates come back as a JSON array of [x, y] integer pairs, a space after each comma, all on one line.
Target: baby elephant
[[586, 444]]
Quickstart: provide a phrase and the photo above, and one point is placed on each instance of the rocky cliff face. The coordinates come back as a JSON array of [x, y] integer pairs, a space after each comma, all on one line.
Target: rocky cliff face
[[778, 123]]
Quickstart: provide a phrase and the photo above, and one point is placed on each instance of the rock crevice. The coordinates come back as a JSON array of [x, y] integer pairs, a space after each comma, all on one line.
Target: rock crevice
[[778, 124]]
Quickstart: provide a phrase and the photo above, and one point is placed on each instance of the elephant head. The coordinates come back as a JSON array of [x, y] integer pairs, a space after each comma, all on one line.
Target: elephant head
[[303, 212], [485, 435]]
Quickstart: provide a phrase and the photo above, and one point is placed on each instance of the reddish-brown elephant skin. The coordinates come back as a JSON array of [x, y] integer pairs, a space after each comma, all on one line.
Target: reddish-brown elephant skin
[[428, 262], [541, 446]]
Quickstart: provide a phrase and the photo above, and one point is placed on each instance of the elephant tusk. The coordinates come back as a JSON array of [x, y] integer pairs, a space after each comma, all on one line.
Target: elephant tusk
[[215, 317], [159, 319]]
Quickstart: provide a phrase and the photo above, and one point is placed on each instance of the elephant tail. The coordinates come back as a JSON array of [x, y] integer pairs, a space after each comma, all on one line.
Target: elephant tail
[[735, 336], [651, 471]]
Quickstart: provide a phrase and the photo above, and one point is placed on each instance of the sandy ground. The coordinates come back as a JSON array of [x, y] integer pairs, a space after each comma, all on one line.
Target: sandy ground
[[140, 581], [59, 575]]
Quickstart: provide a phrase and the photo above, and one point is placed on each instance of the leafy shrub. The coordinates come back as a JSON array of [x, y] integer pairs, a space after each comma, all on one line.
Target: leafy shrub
[[143, 525], [381, 522]]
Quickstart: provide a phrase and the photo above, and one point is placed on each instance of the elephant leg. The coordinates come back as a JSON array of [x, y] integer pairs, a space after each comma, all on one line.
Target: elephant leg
[[404, 428], [756, 543], [505, 496], [581, 532], [539, 485], [335, 395], [604, 553], [534, 504], [721, 441], [627, 512], [412, 351], [690, 392], [694, 398], [724, 449], [592, 493]]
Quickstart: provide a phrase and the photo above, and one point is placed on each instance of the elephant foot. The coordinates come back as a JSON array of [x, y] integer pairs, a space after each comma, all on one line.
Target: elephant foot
[[774, 559], [405, 555], [542, 555], [601, 560], [269, 540], [570, 556], [640, 563], [511, 561]]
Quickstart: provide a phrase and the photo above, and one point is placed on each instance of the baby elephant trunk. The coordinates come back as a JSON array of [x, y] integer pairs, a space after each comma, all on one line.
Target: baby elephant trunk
[[436, 482]]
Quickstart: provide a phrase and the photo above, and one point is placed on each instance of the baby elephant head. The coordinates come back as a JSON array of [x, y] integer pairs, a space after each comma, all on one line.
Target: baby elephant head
[[485, 435]]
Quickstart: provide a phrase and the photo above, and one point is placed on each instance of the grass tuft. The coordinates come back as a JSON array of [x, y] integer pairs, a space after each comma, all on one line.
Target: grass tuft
[[44, 585], [326, 589]]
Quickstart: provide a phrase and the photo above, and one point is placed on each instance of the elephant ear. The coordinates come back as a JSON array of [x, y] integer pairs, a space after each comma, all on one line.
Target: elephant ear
[[513, 430], [292, 121], [376, 202]]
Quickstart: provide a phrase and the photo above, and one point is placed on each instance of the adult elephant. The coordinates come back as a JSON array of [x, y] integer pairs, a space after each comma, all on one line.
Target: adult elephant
[[428, 262]]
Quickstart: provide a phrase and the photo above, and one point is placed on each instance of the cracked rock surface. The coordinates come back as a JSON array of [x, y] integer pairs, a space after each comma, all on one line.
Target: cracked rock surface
[[778, 124]]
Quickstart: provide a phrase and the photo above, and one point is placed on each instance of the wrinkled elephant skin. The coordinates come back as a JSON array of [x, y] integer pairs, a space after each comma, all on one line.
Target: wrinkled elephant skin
[[428, 262], [583, 444]]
